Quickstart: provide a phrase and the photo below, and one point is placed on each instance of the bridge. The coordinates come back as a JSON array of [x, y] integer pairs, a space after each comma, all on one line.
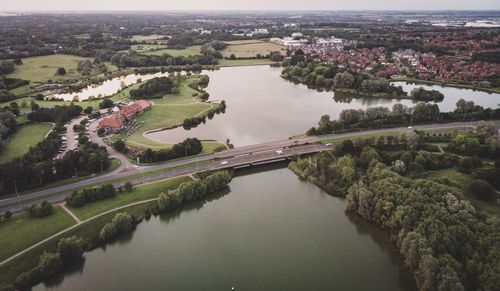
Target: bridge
[[229, 159]]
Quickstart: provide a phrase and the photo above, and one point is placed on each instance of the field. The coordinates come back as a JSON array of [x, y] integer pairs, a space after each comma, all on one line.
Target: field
[[151, 37], [143, 192], [26, 136], [22, 231], [170, 110], [251, 49], [43, 68], [152, 49]]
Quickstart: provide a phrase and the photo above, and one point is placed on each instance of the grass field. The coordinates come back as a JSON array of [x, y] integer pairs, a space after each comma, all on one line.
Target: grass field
[[170, 110], [43, 68], [143, 192], [26, 136], [158, 50], [22, 231], [251, 49], [151, 37]]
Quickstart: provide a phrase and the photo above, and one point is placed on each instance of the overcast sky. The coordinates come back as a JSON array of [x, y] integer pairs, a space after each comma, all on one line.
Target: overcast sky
[[155, 5]]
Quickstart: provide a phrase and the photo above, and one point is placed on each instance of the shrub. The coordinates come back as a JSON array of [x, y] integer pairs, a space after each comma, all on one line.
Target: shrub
[[41, 210], [481, 189], [108, 232]]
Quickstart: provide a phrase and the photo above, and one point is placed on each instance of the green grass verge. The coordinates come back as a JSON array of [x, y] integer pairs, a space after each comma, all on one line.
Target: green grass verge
[[140, 193], [22, 231], [25, 137]]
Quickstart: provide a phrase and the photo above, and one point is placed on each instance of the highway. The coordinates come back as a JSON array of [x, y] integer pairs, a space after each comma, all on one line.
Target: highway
[[232, 158]]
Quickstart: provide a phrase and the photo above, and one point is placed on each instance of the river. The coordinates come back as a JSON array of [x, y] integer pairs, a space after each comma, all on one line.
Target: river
[[272, 231], [263, 107]]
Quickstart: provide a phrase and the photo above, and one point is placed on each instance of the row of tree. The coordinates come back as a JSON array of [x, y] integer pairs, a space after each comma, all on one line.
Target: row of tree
[[401, 115], [87, 195], [193, 190], [56, 114], [194, 121], [124, 60], [188, 147], [154, 88]]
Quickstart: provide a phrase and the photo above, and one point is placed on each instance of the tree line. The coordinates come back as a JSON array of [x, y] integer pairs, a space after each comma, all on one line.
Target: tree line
[[401, 115], [56, 114], [154, 88], [188, 147], [194, 121], [37, 167]]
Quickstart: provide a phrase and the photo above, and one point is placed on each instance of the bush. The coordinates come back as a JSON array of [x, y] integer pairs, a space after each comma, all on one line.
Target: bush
[[7, 215], [123, 222], [87, 195], [120, 146], [41, 210], [128, 186], [49, 264]]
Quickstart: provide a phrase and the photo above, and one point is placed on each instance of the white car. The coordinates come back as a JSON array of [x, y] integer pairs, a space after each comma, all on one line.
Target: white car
[[409, 127], [279, 152], [328, 145], [224, 162]]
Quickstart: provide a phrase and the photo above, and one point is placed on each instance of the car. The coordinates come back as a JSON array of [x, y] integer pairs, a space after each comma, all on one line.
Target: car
[[410, 127], [224, 162], [328, 145], [279, 152]]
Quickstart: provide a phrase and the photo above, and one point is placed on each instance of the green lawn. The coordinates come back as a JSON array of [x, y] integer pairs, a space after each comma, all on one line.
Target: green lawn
[[43, 68], [144, 192], [25, 137], [168, 111], [22, 231]]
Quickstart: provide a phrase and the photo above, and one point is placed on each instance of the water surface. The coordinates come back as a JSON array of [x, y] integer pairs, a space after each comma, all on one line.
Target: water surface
[[271, 232]]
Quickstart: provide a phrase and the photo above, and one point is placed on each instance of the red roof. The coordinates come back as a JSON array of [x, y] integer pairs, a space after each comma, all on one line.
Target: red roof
[[114, 121], [135, 108]]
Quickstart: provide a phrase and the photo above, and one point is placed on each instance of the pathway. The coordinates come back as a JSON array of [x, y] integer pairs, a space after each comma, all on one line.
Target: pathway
[[63, 206]]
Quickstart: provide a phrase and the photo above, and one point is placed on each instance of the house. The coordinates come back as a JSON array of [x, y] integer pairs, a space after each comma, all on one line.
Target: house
[[112, 123], [116, 121]]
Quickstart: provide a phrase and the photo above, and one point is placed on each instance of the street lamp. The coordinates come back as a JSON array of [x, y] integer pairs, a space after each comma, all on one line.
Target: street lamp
[[18, 197], [101, 167]]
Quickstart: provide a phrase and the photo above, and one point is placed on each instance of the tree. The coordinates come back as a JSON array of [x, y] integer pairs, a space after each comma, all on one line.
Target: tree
[[343, 80], [120, 146], [49, 264], [346, 168], [7, 215], [61, 72], [108, 232], [232, 57], [275, 56], [71, 249], [101, 131], [123, 222], [367, 155], [128, 186], [106, 103]]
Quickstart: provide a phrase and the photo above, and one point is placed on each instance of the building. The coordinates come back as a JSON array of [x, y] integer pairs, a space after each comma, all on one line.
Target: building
[[117, 120], [113, 123]]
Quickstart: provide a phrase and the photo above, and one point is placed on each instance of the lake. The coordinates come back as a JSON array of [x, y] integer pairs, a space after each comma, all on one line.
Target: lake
[[272, 231], [263, 107]]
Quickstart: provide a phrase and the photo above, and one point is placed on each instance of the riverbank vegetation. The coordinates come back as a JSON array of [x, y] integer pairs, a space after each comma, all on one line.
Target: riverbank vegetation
[[401, 115], [68, 248], [446, 242], [154, 88]]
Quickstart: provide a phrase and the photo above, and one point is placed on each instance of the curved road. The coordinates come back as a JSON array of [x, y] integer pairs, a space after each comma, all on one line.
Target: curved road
[[234, 157]]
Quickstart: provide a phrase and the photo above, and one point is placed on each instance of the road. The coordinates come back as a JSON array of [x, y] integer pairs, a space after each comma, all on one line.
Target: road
[[234, 157]]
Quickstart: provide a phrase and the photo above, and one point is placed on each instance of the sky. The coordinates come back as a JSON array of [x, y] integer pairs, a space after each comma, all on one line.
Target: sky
[[155, 5]]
